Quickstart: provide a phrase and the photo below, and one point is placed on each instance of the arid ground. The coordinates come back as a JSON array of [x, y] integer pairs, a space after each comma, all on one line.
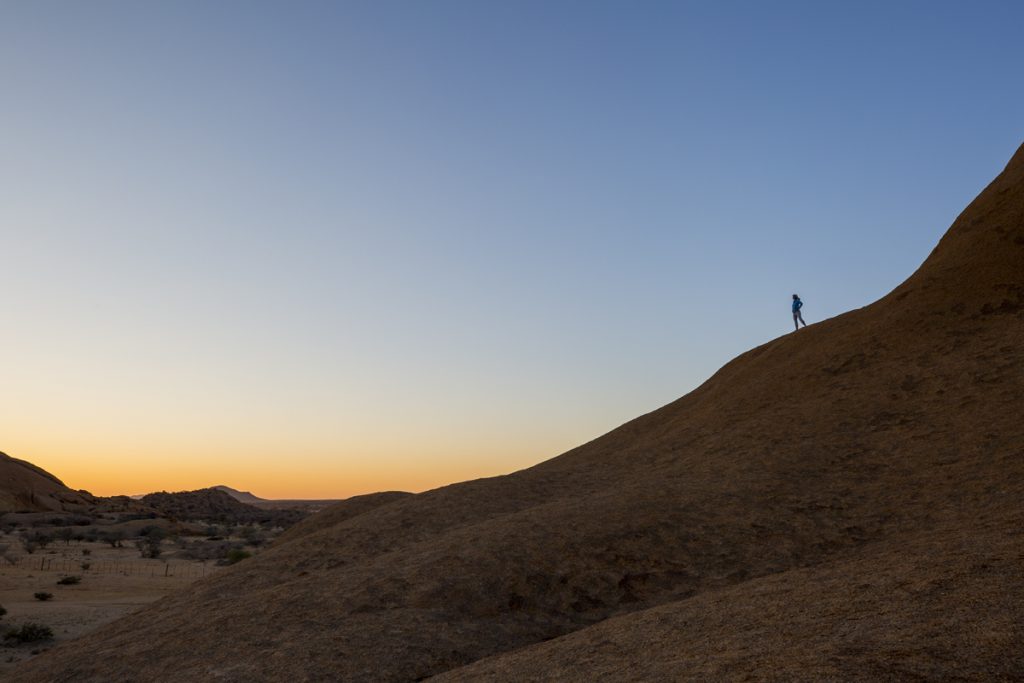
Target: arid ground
[[116, 582]]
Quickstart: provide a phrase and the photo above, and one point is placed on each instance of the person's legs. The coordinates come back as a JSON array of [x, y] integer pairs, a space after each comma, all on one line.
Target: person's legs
[[801, 316], [796, 315]]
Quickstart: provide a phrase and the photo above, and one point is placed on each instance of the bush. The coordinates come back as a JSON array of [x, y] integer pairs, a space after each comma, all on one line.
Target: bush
[[85, 566], [237, 555], [70, 581], [114, 538], [29, 633], [43, 596], [34, 541], [152, 538], [3, 610], [149, 547], [86, 551]]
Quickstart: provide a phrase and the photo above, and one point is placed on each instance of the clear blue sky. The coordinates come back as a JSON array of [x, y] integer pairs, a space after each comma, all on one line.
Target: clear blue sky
[[325, 248]]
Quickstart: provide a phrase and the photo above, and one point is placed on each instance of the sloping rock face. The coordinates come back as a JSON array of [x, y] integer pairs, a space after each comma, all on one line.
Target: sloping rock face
[[843, 501], [27, 488]]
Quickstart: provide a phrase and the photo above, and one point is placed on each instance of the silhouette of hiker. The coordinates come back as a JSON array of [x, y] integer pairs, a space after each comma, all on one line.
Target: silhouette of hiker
[[797, 316]]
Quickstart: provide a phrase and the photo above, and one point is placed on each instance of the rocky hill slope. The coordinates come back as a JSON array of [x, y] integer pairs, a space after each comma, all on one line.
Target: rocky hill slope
[[843, 502], [215, 505], [27, 488]]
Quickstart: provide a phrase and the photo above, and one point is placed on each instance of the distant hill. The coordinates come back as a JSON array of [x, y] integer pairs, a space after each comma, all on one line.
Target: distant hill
[[216, 505], [240, 496], [25, 487], [304, 505]]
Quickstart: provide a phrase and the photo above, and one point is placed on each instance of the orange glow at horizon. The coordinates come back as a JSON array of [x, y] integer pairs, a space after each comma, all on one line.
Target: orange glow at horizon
[[275, 473]]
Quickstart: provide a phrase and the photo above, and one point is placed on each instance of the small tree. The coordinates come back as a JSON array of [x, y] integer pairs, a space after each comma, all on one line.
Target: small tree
[[114, 538], [43, 596], [149, 546], [32, 541]]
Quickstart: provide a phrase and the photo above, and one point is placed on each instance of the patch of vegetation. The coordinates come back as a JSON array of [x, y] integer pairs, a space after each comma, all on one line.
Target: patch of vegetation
[[29, 633], [43, 596], [32, 541], [152, 539], [114, 538], [70, 580], [71, 520], [236, 555], [3, 610]]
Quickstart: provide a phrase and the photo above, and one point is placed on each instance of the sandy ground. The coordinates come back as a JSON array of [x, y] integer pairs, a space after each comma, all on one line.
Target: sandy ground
[[117, 582]]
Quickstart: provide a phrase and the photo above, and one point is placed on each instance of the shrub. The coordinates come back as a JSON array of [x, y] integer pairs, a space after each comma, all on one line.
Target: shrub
[[114, 538], [149, 546], [85, 566], [237, 555], [43, 596], [35, 540], [86, 551], [70, 581], [3, 610], [29, 633]]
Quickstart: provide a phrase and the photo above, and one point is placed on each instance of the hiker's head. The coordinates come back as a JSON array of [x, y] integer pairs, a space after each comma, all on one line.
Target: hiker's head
[[795, 296]]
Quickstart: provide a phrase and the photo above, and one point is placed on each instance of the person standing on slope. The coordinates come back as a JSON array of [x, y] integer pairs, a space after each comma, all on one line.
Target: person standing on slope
[[798, 318]]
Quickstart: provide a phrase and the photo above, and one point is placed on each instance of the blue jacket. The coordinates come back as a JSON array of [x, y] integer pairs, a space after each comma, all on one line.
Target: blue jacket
[[797, 304]]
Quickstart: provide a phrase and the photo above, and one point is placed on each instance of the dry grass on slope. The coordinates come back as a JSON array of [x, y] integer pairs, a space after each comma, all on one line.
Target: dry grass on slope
[[938, 606], [340, 512], [878, 429]]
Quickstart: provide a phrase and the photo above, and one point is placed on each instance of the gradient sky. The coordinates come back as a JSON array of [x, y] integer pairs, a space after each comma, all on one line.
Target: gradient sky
[[321, 249]]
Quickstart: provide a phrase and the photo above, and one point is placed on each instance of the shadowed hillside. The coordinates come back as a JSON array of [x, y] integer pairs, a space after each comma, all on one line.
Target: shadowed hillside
[[27, 488], [341, 511], [844, 501]]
